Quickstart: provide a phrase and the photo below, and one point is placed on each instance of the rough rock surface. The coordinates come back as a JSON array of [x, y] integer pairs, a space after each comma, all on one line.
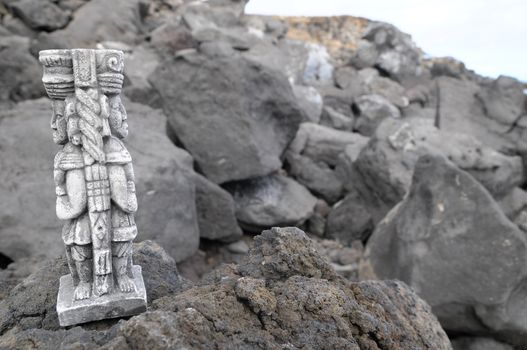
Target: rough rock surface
[[282, 295], [271, 201], [31, 304], [165, 183], [384, 167], [444, 234], [228, 111]]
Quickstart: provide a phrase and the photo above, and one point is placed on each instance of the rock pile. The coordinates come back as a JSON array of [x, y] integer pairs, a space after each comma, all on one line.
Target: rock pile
[[340, 126], [283, 295]]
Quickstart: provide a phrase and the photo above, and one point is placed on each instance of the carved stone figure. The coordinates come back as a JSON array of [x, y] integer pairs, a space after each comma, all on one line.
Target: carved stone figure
[[95, 186]]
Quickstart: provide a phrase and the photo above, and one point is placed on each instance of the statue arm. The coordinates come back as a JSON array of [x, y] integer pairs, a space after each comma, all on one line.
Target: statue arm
[[122, 187], [72, 204]]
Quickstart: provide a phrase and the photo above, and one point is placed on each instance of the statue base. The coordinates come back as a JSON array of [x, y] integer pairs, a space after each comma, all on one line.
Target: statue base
[[113, 305]]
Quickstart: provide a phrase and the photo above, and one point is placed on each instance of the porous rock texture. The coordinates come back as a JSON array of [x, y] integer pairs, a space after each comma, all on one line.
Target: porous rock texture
[[30, 306], [283, 295]]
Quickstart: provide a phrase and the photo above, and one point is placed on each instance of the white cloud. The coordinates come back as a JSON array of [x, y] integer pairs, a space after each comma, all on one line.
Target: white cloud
[[490, 37]]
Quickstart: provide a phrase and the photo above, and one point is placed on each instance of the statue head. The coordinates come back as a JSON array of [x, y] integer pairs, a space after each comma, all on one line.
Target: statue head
[[59, 122], [118, 119]]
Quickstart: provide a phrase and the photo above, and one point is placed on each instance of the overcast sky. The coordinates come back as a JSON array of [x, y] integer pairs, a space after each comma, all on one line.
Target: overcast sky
[[489, 36]]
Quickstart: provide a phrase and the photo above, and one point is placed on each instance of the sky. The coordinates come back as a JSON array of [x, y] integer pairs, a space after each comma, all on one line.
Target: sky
[[489, 36]]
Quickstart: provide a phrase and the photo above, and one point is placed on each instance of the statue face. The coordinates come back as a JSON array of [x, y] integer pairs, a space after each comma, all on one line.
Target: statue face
[[118, 122], [59, 124]]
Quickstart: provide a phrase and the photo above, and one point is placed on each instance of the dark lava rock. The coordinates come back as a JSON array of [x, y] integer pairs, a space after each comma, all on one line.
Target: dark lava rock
[[31, 304], [270, 201], [349, 220], [390, 50], [234, 116], [19, 71], [283, 295], [492, 112], [383, 170], [450, 241], [313, 155], [216, 212], [371, 110], [94, 22], [40, 15]]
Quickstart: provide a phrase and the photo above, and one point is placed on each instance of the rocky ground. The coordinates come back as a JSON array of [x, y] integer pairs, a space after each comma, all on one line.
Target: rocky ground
[[396, 165]]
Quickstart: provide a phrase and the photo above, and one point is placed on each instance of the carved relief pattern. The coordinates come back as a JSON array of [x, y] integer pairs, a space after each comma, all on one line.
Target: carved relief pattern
[[93, 172]]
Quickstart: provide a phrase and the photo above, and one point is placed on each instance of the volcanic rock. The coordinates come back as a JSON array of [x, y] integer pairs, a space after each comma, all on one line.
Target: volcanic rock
[[271, 201], [313, 155], [493, 113], [216, 212], [31, 304], [228, 112], [19, 71], [383, 170], [371, 110], [442, 240], [40, 15]]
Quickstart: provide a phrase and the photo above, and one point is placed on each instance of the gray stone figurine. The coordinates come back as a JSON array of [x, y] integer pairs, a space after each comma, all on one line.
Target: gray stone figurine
[[95, 187]]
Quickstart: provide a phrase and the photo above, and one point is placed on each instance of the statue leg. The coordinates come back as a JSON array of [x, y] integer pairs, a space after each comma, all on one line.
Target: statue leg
[[71, 266], [82, 255], [121, 252]]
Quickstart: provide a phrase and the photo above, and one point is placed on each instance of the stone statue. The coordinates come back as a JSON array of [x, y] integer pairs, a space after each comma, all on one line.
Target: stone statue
[[94, 184]]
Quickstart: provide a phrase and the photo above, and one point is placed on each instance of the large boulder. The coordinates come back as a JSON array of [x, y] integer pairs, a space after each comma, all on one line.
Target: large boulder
[[140, 63], [95, 22], [233, 115], [271, 201], [449, 240], [285, 293], [383, 170], [40, 15], [19, 71], [164, 182]]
